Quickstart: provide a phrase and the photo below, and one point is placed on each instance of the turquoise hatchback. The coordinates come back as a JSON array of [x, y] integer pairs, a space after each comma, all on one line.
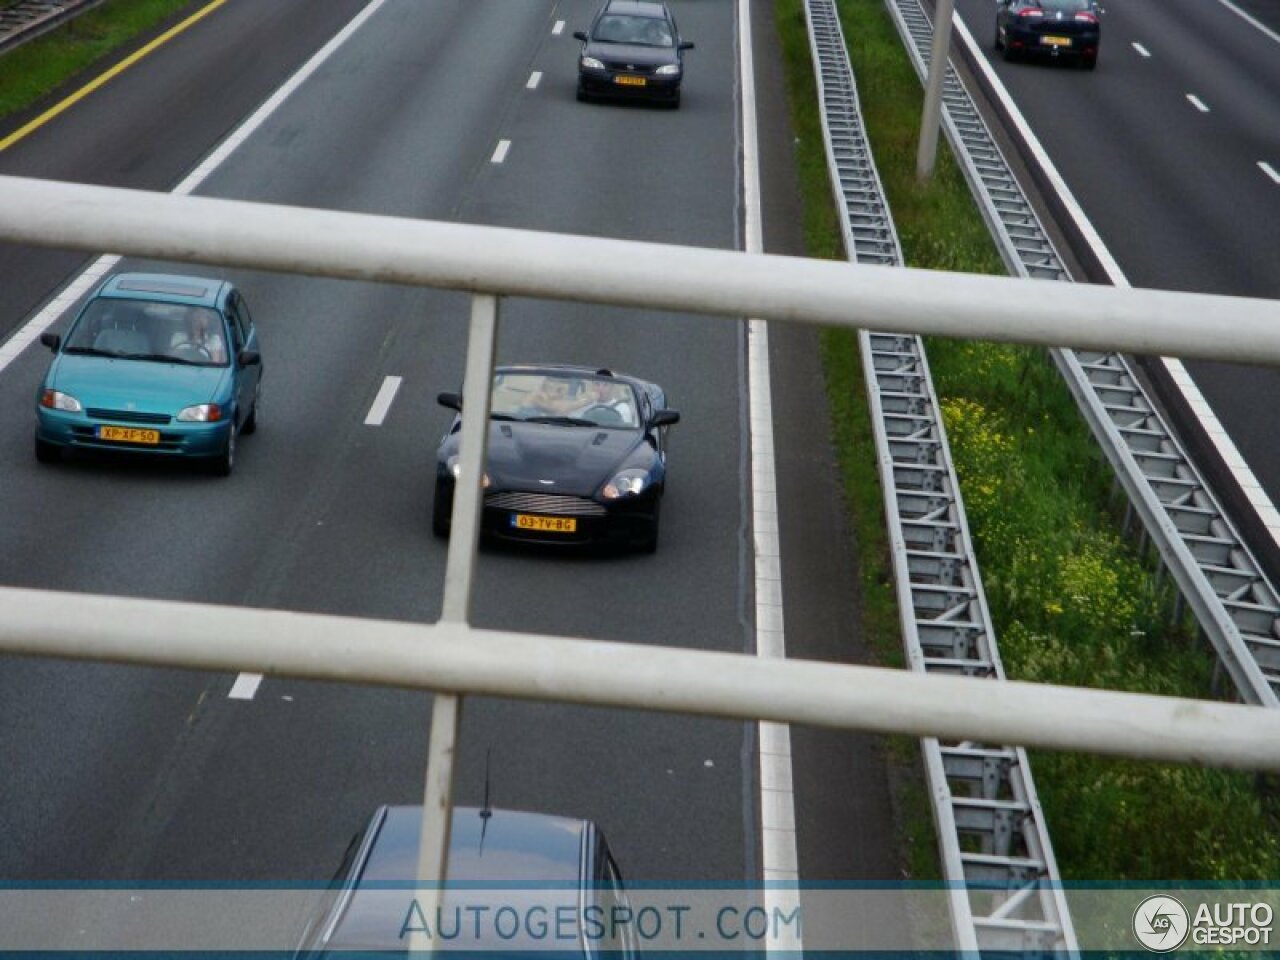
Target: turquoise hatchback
[[154, 363]]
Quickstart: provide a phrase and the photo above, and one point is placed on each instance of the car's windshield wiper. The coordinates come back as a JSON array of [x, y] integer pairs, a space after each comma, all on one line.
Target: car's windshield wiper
[[165, 358], [91, 351], [566, 421], [502, 416]]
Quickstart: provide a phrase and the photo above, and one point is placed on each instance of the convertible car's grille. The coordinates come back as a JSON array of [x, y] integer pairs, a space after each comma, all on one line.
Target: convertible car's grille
[[545, 503], [127, 416]]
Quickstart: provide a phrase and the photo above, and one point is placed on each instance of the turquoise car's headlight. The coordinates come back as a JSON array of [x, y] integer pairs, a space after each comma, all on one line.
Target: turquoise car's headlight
[[200, 413], [56, 400], [627, 483]]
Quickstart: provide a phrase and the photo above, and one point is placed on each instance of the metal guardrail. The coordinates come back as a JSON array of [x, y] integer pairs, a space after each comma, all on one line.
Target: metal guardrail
[[1005, 889], [29, 19], [1236, 606]]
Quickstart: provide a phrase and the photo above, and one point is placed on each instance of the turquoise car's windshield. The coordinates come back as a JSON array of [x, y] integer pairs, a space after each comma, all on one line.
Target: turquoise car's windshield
[[158, 332]]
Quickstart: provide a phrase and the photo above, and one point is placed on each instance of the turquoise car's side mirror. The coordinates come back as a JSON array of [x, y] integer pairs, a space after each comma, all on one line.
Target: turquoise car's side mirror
[[51, 340]]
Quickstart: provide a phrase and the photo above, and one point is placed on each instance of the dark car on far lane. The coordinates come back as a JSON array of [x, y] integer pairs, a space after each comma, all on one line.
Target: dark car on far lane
[[632, 49], [575, 455], [1056, 29]]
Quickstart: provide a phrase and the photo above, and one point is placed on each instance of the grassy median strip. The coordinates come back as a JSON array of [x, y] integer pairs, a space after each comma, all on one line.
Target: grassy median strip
[[1073, 602], [39, 67]]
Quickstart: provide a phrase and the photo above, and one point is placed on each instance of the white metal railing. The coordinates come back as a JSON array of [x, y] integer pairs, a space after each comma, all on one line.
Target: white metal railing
[[455, 659]]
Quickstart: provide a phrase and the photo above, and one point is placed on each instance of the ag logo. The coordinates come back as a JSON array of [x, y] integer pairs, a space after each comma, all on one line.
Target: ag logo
[[1160, 923]]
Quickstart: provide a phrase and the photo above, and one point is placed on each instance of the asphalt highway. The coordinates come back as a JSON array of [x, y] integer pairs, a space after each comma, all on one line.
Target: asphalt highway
[[458, 109], [1172, 148]]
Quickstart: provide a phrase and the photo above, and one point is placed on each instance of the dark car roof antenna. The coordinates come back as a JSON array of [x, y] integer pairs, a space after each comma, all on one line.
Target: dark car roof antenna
[[486, 811]]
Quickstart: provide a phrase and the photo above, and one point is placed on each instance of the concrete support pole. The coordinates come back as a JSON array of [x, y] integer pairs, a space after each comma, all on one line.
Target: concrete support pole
[[931, 119]]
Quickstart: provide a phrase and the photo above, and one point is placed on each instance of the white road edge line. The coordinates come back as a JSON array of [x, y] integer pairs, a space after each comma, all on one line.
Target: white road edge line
[[500, 151], [1197, 103], [1266, 511], [534, 79], [1251, 20], [1269, 170], [558, 28], [382, 402], [1142, 50], [245, 687], [66, 298], [780, 860]]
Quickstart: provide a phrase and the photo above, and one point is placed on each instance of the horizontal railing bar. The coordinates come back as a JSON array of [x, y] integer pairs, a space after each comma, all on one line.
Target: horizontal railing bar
[[234, 233], [456, 658]]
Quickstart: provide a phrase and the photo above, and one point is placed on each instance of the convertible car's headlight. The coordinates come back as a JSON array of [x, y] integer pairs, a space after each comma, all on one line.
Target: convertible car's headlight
[[590, 63], [455, 468], [626, 484], [668, 70], [201, 413], [56, 400]]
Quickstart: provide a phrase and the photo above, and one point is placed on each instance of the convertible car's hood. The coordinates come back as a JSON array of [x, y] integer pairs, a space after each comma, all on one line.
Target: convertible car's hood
[[639, 54], [556, 459], [142, 385]]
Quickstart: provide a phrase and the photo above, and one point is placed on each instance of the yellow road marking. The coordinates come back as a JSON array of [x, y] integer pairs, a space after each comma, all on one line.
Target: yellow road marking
[[98, 81]]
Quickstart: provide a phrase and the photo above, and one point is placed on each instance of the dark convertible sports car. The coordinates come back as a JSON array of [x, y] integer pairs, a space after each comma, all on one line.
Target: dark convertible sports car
[[1049, 28], [575, 455]]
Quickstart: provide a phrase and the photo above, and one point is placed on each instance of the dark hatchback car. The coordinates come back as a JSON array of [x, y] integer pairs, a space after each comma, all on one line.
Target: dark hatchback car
[[632, 49], [575, 455], [1062, 29], [503, 862]]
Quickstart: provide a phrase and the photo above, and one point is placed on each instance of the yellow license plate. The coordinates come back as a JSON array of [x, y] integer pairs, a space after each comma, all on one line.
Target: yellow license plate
[[525, 521], [1056, 41], [129, 435], [631, 81]]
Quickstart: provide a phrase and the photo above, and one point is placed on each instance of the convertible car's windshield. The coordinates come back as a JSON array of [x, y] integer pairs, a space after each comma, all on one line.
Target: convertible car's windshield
[[160, 332], [563, 398]]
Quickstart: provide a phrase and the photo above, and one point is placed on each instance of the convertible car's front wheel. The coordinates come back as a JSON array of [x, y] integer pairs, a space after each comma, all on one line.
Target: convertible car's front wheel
[[650, 542], [441, 514]]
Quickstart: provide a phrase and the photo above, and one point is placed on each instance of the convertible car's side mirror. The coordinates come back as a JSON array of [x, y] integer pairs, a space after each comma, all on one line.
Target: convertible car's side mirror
[[664, 418], [580, 35], [451, 400], [51, 340]]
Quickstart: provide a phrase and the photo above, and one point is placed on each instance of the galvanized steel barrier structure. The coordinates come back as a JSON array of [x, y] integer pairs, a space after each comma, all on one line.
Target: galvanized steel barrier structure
[[1005, 889], [455, 659], [1237, 607]]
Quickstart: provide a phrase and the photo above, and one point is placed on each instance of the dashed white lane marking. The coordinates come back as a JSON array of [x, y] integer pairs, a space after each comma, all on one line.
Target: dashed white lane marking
[[1197, 103], [500, 152], [245, 687], [1269, 170], [558, 28], [1143, 51], [535, 78], [382, 402]]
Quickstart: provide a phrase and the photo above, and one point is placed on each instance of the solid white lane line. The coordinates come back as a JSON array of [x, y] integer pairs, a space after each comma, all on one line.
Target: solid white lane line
[[500, 152], [30, 332], [1197, 103], [1252, 21], [382, 402], [245, 687], [558, 28], [779, 856], [1141, 49], [1269, 170], [534, 79]]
